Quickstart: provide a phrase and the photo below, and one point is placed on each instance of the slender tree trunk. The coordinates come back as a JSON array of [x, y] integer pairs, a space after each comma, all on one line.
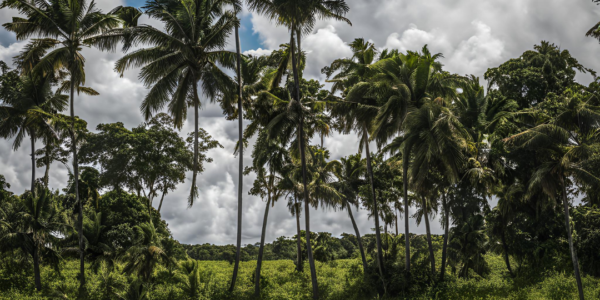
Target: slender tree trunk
[[311, 262], [36, 269], [506, 257], [570, 237], [360, 245], [241, 162], [261, 249], [194, 190], [32, 136], [406, 213], [76, 183], [375, 213], [396, 212], [47, 173], [299, 265], [161, 201], [446, 230], [429, 244]]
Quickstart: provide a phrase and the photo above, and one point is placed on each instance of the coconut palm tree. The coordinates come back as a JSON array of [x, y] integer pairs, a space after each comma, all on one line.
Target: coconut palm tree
[[269, 158], [181, 58], [405, 82], [146, 252], [65, 27], [564, 143], [32, 230], [349, 179], [29, 104], [299, 16]]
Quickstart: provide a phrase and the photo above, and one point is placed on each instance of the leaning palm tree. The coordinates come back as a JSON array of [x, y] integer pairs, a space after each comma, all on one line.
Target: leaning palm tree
[[300, 16], [349, 180], [269, 158], [183, 57], [65, 27]]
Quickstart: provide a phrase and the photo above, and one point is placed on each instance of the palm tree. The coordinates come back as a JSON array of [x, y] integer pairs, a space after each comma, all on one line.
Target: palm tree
[[241, 156], [349, 179], [468, 245], [181, 58], [269, 158], [65, 27], [405, 82], [358, 111], [146, 252], [565, 144], [299, 16], [32, 231], [98, 250]]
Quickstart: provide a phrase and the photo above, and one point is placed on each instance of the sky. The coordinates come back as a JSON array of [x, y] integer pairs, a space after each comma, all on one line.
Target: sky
[[473, 35]]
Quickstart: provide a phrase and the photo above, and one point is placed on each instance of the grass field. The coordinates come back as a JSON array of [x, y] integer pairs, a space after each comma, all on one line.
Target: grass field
[[338, 280]]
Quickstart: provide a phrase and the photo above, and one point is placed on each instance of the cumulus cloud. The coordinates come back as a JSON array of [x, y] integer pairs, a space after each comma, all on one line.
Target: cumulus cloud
[[473, 35]]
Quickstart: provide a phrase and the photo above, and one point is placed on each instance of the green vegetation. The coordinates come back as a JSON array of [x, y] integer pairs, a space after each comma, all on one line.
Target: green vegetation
[[445, 146]]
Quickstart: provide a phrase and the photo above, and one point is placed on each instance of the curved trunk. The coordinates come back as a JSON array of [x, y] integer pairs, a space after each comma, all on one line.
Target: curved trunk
[[161, 201], [506, 258], [32, 135], [446, 229], [375, 213], [570, 237], [241, 162], [36, 269], [260, 250], [311, 262], [76, 183], [360, 245], [299, 265], [406, 213], [429, 244]]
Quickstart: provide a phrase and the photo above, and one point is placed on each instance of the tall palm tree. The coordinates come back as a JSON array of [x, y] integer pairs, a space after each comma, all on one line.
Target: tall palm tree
[[181, 58], [565, 144], [269, 158], [405, 82], [358, 111], [65, 27], [241, 156], [299, 16], [349, 179]]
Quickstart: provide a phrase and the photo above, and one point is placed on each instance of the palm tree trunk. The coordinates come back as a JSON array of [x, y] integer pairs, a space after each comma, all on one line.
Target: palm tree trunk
[[506, 258], [311, 262], [570, 237], [47, 172], [76, 182], [32, 135], [241, 162], [360, 245], [299, 265], [194, 190], [161, 201], [429, 244], [261, 249], [406, 213], [36, 269], [375, 212], [396, 212], [446, 230]]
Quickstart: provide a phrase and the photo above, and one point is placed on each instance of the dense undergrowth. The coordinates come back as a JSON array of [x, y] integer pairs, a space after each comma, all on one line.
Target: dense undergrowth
[[338, 280]]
